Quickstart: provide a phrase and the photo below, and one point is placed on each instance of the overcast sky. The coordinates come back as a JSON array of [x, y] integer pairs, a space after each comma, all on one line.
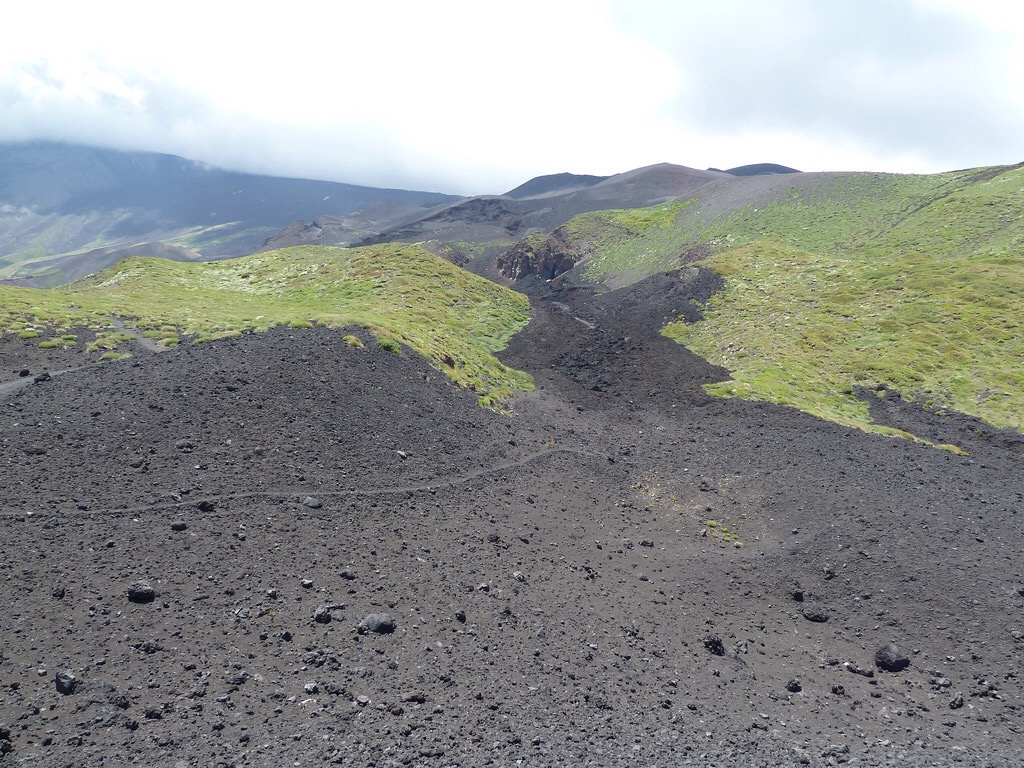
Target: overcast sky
[[477, 97]]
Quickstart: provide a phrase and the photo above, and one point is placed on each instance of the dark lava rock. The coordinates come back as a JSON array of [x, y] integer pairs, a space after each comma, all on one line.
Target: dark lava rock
[[40, 378], [836, 751], [206, 506], [66, 682], [793, 686], [141, 592], [889, 658], [817, 615], [378, 623], [148, 647], [179, 525], [322, 615], [859, 670], [715, 645], [957, 701]]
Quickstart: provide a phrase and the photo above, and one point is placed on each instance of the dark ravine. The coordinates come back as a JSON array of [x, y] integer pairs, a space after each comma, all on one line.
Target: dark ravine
[[557, 592]]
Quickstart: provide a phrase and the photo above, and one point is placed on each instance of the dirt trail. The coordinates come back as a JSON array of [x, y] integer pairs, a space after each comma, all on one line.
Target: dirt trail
[[138, 340]]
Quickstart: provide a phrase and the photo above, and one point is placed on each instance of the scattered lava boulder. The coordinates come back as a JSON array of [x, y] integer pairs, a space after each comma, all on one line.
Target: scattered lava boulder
[[377, 623], [889, 658], [141, 592]]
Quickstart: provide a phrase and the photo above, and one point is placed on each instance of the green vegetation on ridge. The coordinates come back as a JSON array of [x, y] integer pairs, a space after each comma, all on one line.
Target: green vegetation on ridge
[[623, 245], [839, 214], [795, 329], [915, 283], [401, 292]]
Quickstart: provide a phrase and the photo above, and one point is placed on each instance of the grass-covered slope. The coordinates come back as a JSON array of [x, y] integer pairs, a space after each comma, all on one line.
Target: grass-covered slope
[[797, 329], [915, 283], [401, 292]]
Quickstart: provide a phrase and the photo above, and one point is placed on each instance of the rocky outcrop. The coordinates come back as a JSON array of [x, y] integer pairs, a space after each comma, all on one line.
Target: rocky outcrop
[[547, 257], [481, 210]]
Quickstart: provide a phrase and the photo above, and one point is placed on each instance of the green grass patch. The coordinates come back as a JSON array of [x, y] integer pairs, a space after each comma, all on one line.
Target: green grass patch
[[622, 246], [721, 532], [843, 213], [805, 330], [401, 292]]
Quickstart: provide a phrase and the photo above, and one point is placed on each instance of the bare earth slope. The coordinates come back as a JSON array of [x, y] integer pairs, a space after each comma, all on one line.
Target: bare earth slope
[[558, 593]]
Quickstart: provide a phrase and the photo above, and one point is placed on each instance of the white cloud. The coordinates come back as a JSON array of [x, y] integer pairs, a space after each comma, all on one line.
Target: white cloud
[[475, 97]]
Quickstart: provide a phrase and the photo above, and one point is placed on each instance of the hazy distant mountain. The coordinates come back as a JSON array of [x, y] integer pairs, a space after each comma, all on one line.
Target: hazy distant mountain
[[58, 199], [556, 183], [758, 169]]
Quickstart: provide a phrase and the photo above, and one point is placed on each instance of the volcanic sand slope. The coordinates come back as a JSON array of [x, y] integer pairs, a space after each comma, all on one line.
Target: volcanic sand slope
[[402, 292], [558, 578], [837, 283]]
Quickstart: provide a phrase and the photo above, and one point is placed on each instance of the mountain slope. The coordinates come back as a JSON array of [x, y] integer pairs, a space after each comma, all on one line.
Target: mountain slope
[[60, 199], [553, 184], [758, 169], [493, 223], [835, 285]]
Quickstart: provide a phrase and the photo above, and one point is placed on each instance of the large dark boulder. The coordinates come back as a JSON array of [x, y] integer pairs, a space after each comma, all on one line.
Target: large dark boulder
[[889, 658]]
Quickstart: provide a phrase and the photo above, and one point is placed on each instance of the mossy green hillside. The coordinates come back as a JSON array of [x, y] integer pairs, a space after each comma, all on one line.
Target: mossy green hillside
[[623, 245], [913, 282], [833, 214], [401, 292], [800, 329]]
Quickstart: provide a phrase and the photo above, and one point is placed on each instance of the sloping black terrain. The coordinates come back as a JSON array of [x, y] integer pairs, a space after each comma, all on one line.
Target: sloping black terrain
[[558, 591]]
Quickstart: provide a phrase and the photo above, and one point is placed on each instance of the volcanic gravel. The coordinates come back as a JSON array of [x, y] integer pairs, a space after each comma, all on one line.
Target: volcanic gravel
[[283, 550]]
